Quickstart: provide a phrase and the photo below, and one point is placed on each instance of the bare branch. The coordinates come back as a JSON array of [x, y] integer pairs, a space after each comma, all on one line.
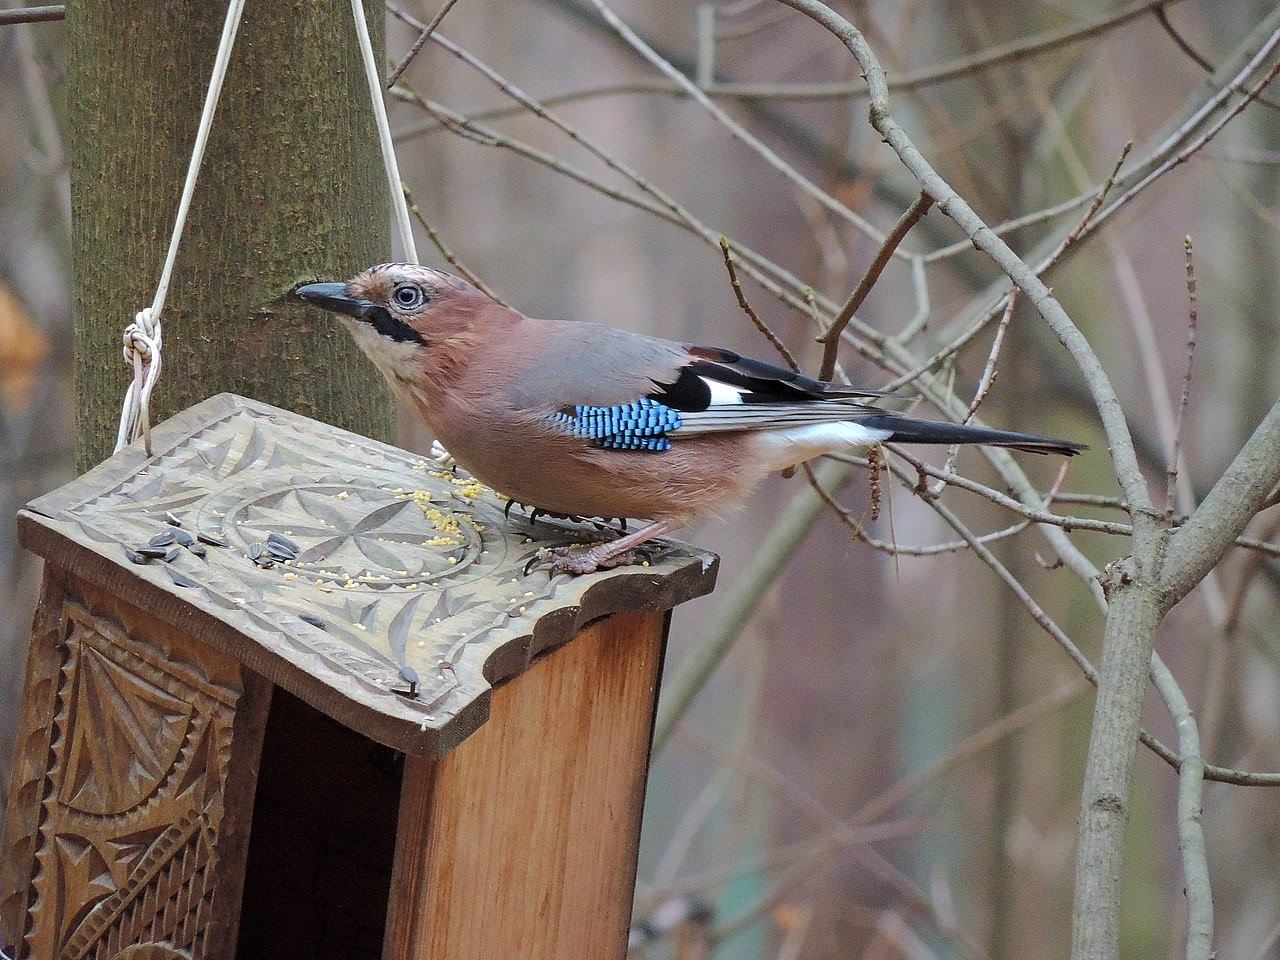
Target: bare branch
[[418, 44], [1195, 865], [831, 339], [1201, 61], [1175, 450], [1252, 52], [1196, 547], [737, 130], [727, 249], [450, 257], [1067, 243], [989, 369]]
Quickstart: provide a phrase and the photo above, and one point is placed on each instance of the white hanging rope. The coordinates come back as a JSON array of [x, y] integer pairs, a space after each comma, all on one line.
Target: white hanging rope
[[143, 338], [398, 201]]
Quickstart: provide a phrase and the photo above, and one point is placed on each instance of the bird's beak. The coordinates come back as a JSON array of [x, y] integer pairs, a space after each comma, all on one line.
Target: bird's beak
[[333, 297]]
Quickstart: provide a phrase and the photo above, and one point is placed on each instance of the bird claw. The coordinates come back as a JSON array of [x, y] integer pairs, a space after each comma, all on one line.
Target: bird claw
[[534, 514], [579, 560]]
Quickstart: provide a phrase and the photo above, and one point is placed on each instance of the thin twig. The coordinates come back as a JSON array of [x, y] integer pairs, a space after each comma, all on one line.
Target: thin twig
[[893, 548], [831, 339], [418, 44], [786, 354], [735, 129], [1195, 55], [1162, 159], [1211, 771], [989, 369], [1003, 306], [769, 275], [1175, 450], [450, 257]]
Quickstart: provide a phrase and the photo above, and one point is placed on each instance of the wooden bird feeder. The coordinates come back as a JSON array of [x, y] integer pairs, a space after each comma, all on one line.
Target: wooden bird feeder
[[328, 715]]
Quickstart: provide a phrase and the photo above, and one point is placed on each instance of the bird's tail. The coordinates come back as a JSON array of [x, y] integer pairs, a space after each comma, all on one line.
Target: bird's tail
[[907, 430]]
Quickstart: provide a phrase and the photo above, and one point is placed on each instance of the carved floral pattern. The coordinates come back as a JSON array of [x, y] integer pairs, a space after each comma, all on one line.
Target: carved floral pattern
[[132, 799]]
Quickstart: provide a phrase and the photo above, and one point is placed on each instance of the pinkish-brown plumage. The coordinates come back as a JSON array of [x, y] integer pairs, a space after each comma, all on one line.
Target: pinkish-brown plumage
[[490, 379], [505, 394]]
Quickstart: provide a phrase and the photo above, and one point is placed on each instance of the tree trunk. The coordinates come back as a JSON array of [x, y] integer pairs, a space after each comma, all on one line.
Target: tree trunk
[[290, 191]]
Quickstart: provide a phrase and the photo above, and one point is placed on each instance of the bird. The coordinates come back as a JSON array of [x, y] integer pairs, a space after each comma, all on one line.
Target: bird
[[587, 420]]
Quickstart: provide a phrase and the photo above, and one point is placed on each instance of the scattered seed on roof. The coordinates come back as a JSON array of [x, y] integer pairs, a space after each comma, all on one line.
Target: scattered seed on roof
[[180, 579]]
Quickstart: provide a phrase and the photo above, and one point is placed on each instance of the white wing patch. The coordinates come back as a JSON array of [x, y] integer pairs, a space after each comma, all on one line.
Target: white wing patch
[[723, 394]]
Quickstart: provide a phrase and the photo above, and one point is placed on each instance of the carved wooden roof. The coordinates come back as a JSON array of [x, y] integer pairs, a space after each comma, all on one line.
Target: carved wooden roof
[[336, 566]]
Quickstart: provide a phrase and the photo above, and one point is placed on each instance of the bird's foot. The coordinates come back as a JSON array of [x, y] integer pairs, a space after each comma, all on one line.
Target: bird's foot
[[534, 514], [580, 560], [441, 458]]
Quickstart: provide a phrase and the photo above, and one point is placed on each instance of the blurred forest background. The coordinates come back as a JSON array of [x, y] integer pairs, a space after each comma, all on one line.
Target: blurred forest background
[[887, 759]]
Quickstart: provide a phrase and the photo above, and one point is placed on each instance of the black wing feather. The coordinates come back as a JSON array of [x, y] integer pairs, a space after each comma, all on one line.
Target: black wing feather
[[759, 382]]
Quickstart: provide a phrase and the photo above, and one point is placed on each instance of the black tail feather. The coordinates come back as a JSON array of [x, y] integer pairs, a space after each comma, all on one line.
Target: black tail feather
[[907, 430]]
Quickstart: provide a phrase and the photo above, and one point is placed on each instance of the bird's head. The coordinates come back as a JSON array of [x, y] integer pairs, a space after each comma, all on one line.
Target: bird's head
[[396, 310]]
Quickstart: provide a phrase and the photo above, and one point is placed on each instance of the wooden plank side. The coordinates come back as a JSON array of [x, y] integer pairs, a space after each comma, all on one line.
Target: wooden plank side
[[522, 842]]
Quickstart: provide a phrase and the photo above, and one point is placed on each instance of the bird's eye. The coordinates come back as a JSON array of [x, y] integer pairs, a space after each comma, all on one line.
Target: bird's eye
[[408, 296]]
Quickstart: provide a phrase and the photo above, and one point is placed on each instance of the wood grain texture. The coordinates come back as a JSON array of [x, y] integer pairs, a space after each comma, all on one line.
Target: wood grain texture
[[291, 190], [395, 568], [522, 842], [129, 783]]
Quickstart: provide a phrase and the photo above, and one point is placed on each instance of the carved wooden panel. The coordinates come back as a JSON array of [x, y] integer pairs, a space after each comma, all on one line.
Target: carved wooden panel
[[340, 568], [116, 824]]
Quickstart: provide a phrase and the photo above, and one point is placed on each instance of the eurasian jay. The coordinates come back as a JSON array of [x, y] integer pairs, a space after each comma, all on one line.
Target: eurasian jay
[[586, 420]]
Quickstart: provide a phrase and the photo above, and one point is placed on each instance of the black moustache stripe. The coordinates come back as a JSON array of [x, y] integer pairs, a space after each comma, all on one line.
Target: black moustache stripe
[[392, 328]]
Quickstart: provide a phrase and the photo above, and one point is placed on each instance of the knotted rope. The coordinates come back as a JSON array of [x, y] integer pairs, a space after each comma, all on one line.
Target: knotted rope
[[144, 338]]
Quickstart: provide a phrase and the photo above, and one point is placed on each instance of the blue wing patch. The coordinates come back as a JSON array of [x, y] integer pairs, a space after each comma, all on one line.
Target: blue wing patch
[[640, 425]]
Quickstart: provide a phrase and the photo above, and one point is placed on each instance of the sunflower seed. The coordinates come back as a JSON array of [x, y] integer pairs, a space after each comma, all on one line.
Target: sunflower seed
[[162, 539], [180, 579], [282, 541], [172, 554], [312, 619], [135, 557], [184, 538], [198, 550], [280, 551], [211, 539], [172, 519], [152, 553]]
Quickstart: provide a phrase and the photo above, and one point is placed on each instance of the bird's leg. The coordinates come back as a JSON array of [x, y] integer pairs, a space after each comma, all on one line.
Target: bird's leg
[[603, 556]]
